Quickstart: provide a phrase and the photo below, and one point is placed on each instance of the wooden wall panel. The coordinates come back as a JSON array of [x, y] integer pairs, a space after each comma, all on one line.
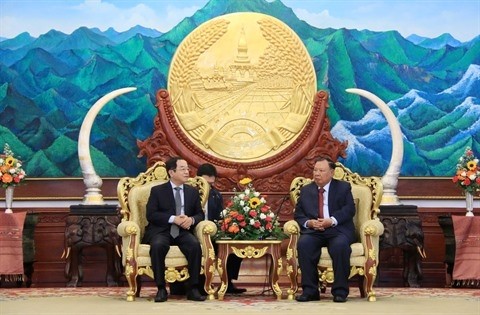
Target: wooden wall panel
[[74, 189]]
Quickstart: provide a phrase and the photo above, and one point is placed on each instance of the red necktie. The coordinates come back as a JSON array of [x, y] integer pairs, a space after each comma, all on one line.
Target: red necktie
[[320, 202]]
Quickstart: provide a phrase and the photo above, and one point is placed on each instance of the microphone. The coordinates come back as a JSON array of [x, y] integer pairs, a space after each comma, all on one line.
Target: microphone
[[285, 198]]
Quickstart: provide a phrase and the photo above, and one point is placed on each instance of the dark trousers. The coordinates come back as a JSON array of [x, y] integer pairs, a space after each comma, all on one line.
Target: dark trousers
[[309, 249], [189, 246], [233, 269]]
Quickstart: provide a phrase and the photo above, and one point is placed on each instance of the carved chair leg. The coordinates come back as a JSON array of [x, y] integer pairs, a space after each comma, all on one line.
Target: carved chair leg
[[133, 291], [361, 286], [208, 284], [292, 272], [369, 279], [139, 285]]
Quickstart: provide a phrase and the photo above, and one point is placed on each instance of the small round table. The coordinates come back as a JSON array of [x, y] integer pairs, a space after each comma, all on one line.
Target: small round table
[[250, 249]]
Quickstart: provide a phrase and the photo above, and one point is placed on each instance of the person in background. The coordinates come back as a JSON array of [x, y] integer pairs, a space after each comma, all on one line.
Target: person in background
[[325, 212], [173, 210], [214, 208]]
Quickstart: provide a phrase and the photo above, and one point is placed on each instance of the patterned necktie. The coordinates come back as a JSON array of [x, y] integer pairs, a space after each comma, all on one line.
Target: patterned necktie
[[174, 229], [320, 202]]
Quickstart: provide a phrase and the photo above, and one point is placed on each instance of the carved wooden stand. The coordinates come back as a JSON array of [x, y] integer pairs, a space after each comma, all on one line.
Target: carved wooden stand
[[89, 226], [403, 230]]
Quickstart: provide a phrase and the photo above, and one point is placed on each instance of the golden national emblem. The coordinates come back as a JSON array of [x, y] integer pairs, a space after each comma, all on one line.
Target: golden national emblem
[[242, 86]]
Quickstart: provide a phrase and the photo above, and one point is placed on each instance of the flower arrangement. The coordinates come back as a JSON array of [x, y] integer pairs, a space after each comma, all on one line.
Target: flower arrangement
[[248, 217], [467, 176], [11, 172]]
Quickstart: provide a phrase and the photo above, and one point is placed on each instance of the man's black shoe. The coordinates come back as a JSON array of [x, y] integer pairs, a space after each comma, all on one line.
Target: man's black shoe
[[339, 299], [194, 295], [161, 295], [234, 290], [307, 298]]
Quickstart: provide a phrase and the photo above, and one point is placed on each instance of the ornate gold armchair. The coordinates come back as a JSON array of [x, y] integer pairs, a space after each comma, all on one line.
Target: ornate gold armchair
[[367, 193], [133, 194]]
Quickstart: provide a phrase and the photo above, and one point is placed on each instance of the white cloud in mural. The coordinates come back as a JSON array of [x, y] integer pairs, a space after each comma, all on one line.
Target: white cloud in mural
[[424, 18], [429, 18], [67, 16]]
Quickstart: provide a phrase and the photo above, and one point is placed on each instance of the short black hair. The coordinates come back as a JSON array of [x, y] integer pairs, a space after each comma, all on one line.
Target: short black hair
[[331, 164], [171, 163], [207, 169]]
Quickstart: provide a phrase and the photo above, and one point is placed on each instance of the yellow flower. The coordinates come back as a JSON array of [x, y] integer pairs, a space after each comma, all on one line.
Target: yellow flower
[[9, 161], [245, 181], [471, 165], [254, 202]]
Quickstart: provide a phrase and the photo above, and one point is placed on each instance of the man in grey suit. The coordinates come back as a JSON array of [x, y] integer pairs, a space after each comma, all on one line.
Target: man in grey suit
[[173, 210], [325, 212]]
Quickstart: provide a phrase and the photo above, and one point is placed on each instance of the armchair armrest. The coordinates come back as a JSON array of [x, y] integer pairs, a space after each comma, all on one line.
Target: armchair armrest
[[291, 227], [204, 228], [127, 228], [129, 232], [373, 228], [370, 232], [204, 231]]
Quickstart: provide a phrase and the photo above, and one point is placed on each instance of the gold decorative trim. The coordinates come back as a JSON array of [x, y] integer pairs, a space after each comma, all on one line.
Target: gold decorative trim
[[250, 252]]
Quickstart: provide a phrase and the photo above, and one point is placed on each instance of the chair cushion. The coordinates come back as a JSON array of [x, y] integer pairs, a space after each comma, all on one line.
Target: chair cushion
[[175, 257], [357, 257]]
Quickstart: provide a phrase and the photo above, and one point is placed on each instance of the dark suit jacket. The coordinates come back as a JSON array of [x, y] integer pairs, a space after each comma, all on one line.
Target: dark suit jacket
[[215, 204], [161, 206], [340, 206]]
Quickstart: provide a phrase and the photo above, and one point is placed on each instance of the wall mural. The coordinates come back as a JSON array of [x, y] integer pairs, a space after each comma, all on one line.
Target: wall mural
[[49, 81]]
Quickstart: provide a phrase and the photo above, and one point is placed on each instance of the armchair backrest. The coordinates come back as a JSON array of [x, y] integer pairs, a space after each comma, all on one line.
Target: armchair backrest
[[367, 193], [133, 192]]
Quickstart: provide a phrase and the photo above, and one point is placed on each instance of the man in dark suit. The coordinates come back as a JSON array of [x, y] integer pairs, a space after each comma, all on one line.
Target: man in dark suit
[[214, 208], [173, 210], [325, 212]]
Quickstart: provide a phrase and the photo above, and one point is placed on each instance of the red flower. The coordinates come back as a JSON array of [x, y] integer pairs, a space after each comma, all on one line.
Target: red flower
[[252, 213]]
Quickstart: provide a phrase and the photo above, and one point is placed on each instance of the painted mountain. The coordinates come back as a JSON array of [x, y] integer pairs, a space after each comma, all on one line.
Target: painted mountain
[[47, 85]]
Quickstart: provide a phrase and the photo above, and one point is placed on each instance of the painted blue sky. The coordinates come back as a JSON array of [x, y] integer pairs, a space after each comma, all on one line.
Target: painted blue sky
[[428, 18]]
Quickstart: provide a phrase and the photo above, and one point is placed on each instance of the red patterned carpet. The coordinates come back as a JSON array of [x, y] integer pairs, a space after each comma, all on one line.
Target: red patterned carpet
[[252, 295], [103, 300]]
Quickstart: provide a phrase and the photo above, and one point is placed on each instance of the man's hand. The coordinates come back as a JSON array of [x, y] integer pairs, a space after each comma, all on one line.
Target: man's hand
[[320, 224], [183, 221]]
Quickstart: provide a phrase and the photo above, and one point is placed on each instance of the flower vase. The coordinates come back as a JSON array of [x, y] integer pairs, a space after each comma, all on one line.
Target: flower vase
[[469, 201], [9, 199]]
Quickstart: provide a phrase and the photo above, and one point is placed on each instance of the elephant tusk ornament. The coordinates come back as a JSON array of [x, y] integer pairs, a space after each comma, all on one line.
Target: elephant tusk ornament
[[92, 181]]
